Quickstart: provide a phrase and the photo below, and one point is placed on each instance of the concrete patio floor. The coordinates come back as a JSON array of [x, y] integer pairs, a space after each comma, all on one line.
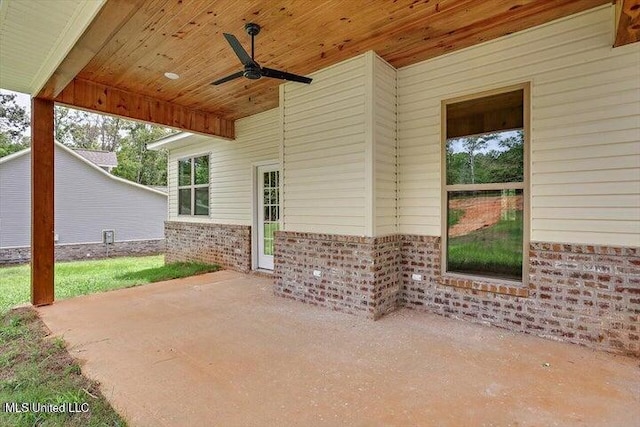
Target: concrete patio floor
[[220, 349]]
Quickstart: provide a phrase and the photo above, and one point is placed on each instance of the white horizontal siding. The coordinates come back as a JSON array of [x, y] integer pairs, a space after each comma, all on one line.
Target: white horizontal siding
[[230, 168], [585, 128], [325, 142], [384, 146]]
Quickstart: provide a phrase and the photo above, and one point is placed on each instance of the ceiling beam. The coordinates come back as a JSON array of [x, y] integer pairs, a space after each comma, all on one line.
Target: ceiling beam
[[103, 99], [108, 21], [627, 22]]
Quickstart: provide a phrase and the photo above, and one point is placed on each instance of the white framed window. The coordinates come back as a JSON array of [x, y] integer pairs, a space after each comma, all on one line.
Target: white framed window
[[485, 185], [193, 186]]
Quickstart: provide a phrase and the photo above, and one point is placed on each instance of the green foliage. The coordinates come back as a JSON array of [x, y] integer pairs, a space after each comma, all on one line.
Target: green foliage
[[127, 138], [454, 216], [138, 164], [14, 121], [82, 129], [86, 277]]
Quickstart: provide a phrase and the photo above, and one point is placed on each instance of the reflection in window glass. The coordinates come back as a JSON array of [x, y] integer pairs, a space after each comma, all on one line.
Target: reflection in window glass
[[269, 229], [202, 201], [487, 158], [484, 233], [184, 201], [184, 172], [201, 167], [193, 188]]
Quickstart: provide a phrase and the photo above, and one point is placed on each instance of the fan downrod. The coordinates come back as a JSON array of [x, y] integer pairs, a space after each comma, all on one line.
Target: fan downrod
[[252, 29]]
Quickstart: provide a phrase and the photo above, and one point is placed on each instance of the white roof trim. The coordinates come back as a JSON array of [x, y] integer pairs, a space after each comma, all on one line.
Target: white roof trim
[[170, 141], [15, 155], [183, 139], [88, 163]]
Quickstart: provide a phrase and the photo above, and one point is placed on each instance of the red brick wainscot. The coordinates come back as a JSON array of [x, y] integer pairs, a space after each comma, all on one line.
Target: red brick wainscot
[[353, 274], [226, 245], [584, 294]]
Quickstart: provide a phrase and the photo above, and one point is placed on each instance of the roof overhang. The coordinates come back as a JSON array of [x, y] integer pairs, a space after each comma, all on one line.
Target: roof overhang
[[36, 37], [180, 140], [110, 56]]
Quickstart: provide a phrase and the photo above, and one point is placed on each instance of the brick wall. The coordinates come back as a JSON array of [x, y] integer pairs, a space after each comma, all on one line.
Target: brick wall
[[584, 294], [358, 274], [79, 251], [386, 267], [589, 295], [222, 244]]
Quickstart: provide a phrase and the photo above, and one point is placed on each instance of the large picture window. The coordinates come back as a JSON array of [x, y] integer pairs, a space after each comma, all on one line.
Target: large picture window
[[193, 186], [484, 186]]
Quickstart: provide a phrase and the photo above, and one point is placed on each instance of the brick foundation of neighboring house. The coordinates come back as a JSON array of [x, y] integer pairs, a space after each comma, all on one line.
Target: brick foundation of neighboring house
[[226, 245], [81, 251], [584, 294]]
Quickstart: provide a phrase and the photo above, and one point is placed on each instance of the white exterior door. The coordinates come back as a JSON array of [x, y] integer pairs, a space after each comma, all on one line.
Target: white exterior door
[[268, 213]]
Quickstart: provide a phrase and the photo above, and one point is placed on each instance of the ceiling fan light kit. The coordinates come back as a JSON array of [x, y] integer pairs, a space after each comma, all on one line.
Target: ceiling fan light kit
[[253, 70]]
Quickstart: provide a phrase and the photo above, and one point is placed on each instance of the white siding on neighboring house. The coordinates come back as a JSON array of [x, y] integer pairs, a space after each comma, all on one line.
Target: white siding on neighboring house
[[324, 137], [230, 168], [87, 201], [384, 143], [585, 123]]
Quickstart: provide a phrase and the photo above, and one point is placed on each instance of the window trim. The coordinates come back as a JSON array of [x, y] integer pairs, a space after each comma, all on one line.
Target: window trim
[[193, 186], [496, 285]]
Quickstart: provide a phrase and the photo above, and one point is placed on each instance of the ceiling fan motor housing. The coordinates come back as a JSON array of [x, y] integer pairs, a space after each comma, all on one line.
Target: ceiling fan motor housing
[[252, 72]]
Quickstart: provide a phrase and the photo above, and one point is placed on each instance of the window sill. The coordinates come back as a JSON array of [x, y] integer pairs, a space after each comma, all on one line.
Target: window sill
[[496, 286]]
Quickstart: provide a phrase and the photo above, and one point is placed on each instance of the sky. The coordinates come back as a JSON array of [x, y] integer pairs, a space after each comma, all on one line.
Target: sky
[[494, 144]]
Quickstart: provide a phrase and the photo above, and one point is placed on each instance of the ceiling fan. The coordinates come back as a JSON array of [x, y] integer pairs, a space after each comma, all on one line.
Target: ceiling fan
[[252, 70]]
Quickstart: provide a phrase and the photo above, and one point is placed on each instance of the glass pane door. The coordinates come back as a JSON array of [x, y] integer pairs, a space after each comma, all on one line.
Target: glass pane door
[[268, 214]]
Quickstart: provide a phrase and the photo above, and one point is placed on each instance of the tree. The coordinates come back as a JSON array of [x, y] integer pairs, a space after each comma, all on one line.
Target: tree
[[473, 145], [138, 164], [14, 121], [127, 138], [509, 164], [82, 129]]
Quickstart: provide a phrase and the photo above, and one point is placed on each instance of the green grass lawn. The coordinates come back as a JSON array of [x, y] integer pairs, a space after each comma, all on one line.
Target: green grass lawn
[[35, 368], [493, 251], [86, 277]]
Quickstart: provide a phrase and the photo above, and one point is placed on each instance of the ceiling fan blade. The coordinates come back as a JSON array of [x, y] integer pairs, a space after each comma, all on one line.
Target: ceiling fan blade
[[230, 77], [283, 75], [239, 50]]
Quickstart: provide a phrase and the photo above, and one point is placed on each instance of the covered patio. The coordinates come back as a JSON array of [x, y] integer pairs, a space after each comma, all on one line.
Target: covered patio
[[222, 349]]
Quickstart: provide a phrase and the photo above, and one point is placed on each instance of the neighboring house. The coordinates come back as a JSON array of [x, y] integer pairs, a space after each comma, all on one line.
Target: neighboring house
[[88, 201], [353, 172], [107, 160]]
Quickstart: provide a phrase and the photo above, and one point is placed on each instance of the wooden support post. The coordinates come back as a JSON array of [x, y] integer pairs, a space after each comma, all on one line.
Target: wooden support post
[[42, 209]]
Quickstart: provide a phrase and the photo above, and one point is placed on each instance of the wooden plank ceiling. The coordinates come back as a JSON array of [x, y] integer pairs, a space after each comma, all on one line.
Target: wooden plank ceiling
[[299, 36]]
